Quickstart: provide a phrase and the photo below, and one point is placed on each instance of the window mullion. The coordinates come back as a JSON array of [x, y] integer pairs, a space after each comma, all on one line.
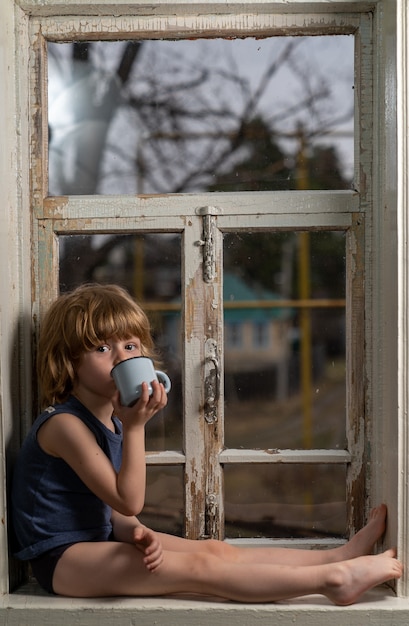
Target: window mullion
[[355, 366], [203, 406], [193, 354], [213, 380]]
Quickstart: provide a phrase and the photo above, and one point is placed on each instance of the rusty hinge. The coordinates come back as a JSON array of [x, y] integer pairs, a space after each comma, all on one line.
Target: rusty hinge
[[211, 381], [209, 258]]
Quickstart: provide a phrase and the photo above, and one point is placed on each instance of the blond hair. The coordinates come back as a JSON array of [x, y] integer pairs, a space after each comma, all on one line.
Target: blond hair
[[76, 323]]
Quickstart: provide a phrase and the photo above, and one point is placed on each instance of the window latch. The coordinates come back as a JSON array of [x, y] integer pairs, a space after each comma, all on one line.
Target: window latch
[[211, 515], [211, 381]]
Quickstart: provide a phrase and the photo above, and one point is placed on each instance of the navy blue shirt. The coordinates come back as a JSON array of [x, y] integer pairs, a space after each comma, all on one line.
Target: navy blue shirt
[[51, 506]]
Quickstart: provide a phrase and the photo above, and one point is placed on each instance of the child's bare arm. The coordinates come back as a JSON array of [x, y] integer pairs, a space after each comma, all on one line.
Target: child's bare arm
[[129, 530], [123, 526], [132, 474], [67, 437]]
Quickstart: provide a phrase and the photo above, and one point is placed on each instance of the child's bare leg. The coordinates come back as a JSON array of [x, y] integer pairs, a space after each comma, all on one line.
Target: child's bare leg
[[116, 569], [348, 580], [361, 544]]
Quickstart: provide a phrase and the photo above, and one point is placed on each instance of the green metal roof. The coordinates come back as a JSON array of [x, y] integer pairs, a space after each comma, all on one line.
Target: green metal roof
[[236, 290]]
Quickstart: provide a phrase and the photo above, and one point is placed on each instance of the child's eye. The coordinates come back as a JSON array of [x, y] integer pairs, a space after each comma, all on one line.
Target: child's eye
[[131, 346], [102, 348]]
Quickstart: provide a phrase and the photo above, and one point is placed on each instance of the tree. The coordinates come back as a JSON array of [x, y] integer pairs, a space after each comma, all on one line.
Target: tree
[[169, 117], [263, 167]]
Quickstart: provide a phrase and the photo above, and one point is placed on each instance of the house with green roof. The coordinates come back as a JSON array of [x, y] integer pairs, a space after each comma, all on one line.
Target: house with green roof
[[257, 331]]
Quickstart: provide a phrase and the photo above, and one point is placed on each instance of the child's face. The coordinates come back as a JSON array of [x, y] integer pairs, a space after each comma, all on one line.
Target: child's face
[[93, 373]]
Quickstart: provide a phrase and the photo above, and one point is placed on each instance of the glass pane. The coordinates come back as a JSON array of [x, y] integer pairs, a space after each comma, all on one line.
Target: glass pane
[[284, 357], [201, 115], [148, 266], [285, 500], [164, 502]]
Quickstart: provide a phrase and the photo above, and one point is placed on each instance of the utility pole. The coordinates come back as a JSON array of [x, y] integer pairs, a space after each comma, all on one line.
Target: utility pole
[[304, 290]]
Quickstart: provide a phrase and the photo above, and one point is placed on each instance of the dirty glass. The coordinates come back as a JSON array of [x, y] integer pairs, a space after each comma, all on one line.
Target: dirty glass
[[282, 500], [285, 380], [284, 336], [149, 267], [164, 500], [153, 117]]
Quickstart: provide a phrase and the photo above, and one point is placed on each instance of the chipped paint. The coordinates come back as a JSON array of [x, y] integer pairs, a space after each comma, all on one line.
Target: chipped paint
[[202, 228], [357, 430]]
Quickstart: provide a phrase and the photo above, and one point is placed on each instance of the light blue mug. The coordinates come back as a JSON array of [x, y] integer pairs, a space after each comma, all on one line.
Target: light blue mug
[[131, 373]]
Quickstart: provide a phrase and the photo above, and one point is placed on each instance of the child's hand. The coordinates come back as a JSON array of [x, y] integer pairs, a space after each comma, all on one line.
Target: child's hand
[[145, 408], [146, 540]]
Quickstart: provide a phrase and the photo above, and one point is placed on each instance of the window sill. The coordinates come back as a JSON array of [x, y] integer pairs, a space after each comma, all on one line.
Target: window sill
[[31, 605]]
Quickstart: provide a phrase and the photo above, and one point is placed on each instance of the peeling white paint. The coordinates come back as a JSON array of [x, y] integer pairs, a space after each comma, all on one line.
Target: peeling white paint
[[379, 607]]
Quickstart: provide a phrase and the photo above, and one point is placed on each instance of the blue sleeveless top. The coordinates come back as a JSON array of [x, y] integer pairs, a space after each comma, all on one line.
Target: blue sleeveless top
[[51, 506]]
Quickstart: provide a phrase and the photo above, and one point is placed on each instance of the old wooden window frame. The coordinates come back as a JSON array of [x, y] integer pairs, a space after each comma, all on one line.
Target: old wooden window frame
[[204, 455], [377, 278]]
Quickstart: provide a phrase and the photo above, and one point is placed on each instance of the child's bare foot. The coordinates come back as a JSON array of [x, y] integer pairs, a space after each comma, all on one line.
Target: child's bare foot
[[350, 579], [365, 539]]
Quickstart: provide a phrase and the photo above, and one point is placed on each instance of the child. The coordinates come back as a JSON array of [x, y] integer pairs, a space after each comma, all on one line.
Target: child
[[80, 481]]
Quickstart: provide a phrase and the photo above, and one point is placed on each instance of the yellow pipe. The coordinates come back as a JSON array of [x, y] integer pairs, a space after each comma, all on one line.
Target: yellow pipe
[[304, 294], [138, 276], [304, 288], [306, 340]]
